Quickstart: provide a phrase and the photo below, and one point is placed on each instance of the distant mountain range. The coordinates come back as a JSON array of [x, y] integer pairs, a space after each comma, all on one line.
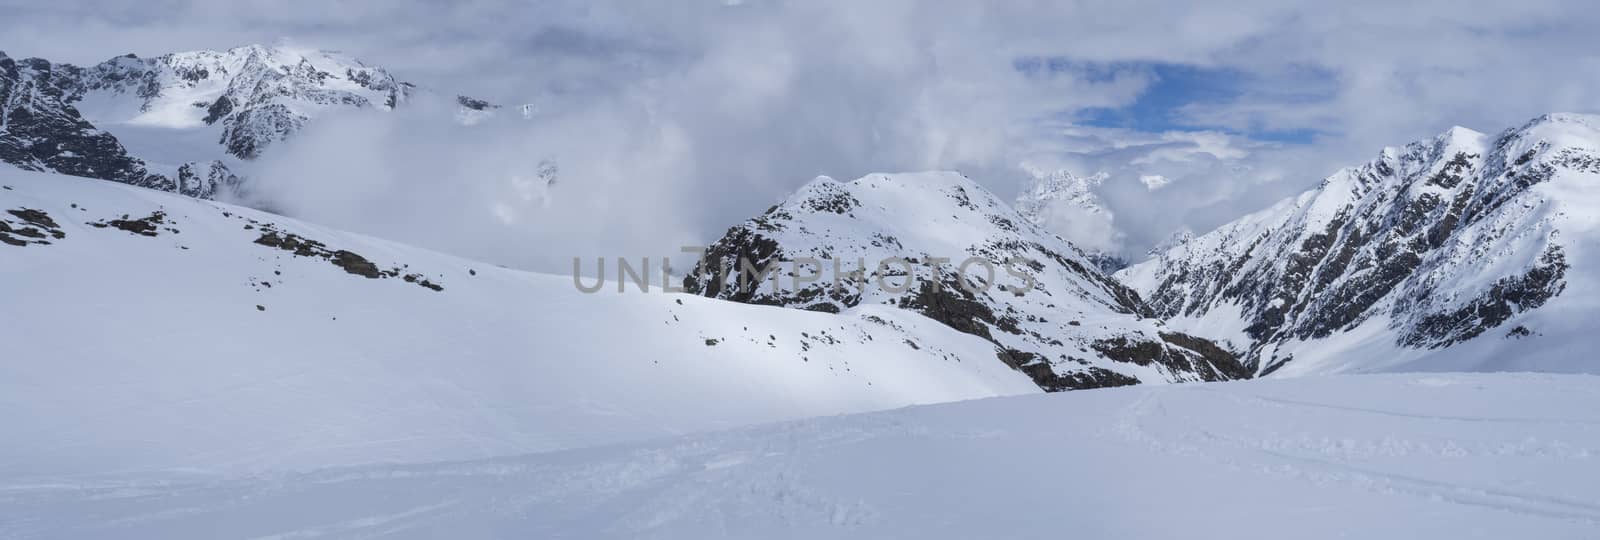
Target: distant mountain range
[[1461, 252], [1052, 314], [184, 122]]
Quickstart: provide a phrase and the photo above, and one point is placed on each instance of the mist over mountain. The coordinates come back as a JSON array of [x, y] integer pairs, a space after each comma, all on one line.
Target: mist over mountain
[[798, 269]]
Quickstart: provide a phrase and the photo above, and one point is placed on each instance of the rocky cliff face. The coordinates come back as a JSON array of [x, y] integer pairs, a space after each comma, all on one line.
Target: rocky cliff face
[[943, 246], [254, 95], [40, 130], [76, 120], [1461, 238]]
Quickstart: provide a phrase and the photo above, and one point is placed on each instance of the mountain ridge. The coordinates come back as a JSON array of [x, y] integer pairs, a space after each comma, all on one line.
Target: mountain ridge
[[965, 259], [1426, 247], [187, 122]]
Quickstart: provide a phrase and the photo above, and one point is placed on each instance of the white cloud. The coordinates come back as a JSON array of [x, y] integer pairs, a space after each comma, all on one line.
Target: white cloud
[[671, 120], [1154, 182]]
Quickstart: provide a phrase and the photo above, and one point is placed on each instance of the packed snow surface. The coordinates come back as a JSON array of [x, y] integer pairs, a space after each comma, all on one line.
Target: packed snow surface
[[1362, 456]]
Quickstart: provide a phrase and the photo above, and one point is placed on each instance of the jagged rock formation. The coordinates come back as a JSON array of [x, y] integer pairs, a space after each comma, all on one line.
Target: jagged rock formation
[[1426, 248], [470, 110], [41, 131], [76, 120], [203, 180], [1049, 311], [253, 95]]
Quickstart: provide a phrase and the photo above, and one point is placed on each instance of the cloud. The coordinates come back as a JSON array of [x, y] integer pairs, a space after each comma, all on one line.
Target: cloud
[[708, 132], [1154, 182], [672, 120]]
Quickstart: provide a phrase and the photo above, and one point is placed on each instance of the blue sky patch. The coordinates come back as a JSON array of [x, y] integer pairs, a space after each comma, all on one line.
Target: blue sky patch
[[1174, 86]]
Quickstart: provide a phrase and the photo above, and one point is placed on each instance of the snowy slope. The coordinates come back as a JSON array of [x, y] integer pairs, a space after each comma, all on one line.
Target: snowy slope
[[144, 330], [1464, 252], [1046, 307], [1391, 456]]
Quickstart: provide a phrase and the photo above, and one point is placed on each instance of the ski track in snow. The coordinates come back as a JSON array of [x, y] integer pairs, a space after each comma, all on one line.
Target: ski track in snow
[[1322, 465], [1396, 456]]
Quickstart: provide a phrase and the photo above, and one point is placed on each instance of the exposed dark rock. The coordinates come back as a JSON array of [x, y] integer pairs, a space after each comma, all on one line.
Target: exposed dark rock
[[41, 131], [37, 218], [1508, 296], [150, 225], [205, 180], [357, 265], [1123, 349], [475, 104], [422, 281], [348, 261], [1037, 368], [1384, 242], [28, 226], [1225, 363], [218, 110], [957, 308], [1020, 326]]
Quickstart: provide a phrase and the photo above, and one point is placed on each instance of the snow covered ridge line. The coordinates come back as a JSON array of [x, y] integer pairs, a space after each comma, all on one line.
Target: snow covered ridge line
[[803, 271], [1466, 251], [185, 122], [1076, 328]]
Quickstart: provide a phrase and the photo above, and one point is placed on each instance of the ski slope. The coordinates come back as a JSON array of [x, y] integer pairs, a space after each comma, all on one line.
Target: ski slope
[[1369, 456], [145, 331]]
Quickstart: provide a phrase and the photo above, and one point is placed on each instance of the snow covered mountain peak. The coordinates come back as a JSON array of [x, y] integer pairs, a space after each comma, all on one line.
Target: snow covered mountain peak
[[180, 122], [256, 95], [1066, 204], [1425, 249], [1044, 188], [939, 244]]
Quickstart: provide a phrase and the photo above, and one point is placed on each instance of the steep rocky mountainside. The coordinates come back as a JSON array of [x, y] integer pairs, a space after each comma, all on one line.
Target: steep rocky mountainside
[[253, 95], [189, 117], [1461, 252], [1049, 311], [41, 131]]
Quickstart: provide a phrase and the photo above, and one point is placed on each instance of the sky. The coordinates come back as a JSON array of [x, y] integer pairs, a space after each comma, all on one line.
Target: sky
[[673, 120]]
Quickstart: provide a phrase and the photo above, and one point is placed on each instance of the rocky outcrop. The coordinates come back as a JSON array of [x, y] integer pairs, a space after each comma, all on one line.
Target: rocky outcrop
[[943, 246], [249, 97], [256, 95], [41, 131]]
